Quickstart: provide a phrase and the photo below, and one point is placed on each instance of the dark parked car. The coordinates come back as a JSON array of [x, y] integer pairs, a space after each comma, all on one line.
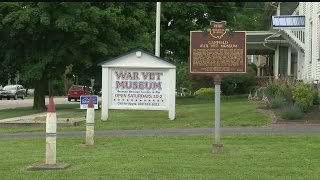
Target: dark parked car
[[13, 91], [75, 91]]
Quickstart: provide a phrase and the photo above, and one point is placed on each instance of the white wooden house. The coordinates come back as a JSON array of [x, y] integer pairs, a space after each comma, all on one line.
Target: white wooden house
[[292, 44]]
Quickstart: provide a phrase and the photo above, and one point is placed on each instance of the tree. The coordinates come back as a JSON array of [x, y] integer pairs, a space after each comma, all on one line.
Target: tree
[[179, 18], [253, 16], [42, 39]]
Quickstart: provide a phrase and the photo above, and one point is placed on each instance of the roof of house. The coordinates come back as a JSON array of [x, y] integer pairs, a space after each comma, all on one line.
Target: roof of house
[[287, 8], [256, 36]]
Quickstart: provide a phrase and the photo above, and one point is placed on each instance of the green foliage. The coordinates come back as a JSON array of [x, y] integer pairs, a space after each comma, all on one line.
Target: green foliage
[[234, 97], [304, 94], [182, 79], [179, 18], [316, 98], [291, 112], [253, 16], [276, 102], [41, 39], [286, 92], [237, 84], [58, 88], [281, 87], [204, 93], [191, 113], [245, 156], [273, 89]]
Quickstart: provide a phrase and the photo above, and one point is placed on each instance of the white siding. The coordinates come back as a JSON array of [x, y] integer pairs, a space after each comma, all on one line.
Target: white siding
[[317, 52], [310, 47], [309, 62], [304, 7], [311, 10]]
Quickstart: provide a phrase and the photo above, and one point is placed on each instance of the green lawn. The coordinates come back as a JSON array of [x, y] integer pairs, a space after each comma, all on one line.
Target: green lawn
[[168, 157], [24, 111], [191, 113]]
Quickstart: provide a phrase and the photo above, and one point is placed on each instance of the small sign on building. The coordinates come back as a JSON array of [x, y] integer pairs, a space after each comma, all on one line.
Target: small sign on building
[[138, 80], [84, 100]]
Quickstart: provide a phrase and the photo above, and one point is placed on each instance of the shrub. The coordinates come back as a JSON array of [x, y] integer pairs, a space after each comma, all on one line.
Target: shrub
[[286, 93], [281, 87], [302, 106], [183, 80], [237, 84], [204, 93], [273, 89], [304, 94], [291, 112], [316, 97], [276, 102]]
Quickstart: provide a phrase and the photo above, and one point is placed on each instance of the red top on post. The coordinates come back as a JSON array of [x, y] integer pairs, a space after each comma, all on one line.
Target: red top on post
[[51, 107], [90, 103]]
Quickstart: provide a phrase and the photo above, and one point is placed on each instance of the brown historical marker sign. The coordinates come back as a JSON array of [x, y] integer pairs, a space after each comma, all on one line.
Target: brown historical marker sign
[[217, 52]]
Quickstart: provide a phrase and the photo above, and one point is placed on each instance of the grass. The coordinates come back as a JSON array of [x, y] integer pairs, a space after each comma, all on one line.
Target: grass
[[24, 111], [191, 113], [9, 113], [168, 157]]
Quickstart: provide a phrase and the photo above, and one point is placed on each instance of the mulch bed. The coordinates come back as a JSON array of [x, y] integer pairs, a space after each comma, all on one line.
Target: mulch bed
[[310, 117]]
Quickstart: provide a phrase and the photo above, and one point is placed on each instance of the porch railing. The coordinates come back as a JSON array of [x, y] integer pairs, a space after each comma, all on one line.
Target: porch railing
[[298, 36], [263, 80]]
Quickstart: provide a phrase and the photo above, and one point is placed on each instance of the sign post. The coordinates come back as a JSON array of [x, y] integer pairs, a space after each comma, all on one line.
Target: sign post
[[217, 146], [217, 53]]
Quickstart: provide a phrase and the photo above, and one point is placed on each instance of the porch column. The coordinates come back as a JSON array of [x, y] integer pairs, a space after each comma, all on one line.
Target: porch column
[[258, 66], [300, 60], [289, 61], [276, 63]]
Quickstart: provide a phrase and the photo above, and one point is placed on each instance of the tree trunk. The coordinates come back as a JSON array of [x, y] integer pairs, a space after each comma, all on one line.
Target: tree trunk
[[39, 94]]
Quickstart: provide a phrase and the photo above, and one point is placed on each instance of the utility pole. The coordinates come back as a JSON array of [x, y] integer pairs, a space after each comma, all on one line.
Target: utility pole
[[158, 12]]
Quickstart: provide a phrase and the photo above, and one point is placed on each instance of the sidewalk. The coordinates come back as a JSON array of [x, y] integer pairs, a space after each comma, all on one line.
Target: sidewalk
[[274, 129], [39, 119]]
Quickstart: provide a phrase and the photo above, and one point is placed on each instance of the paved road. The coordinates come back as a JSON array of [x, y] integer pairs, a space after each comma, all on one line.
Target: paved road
[[273, 129], [10, 104]]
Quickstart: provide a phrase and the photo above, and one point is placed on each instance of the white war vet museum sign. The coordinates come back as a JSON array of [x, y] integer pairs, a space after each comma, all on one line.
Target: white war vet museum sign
[[138, 80]]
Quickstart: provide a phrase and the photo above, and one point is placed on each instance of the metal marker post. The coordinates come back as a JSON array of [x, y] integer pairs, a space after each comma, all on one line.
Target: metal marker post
[[217, 146]]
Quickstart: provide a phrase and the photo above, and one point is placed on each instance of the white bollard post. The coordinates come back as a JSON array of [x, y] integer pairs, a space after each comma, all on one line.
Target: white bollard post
[[90, 123], [51, 133]]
